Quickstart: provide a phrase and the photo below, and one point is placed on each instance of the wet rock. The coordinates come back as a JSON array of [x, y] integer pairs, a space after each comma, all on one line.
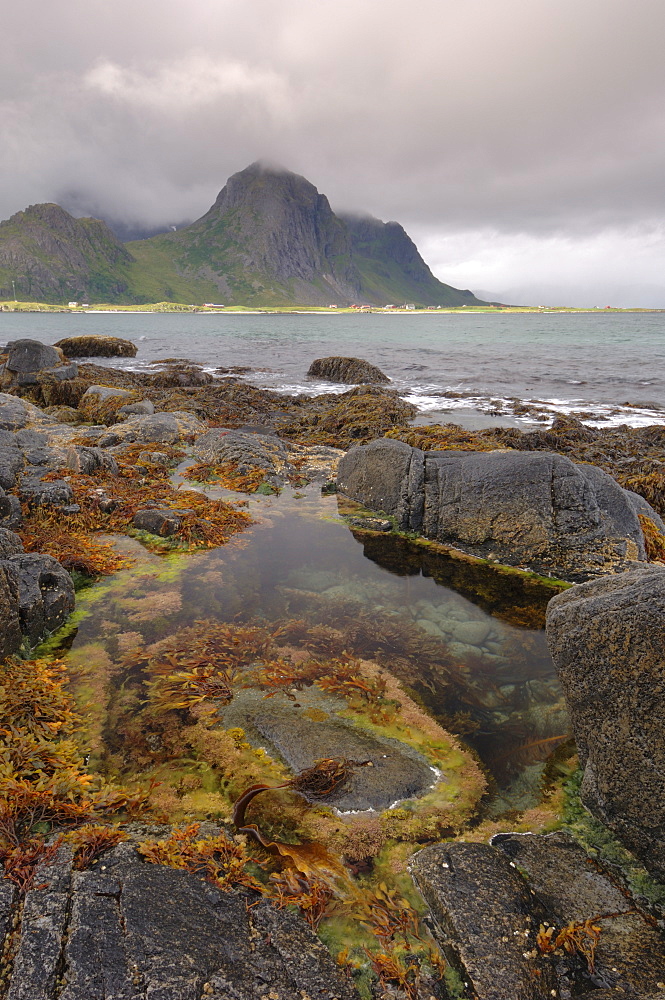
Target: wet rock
[[607, 639], [31, 356], [370, 523], [160, 428], [531, 509], [158, 522], [154, 458], [630, 957], [97, 346], [181, 375], [246, 450], [349, 370], [302, 735], [484, 920], [127, 929], [141, 408], [46, 594], [43, 924]]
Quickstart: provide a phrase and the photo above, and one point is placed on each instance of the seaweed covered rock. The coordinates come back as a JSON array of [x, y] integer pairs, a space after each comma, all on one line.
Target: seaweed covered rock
[[97, 346], [131, 929], [353, 371], [607, 639], [530, 509], [100, 403]]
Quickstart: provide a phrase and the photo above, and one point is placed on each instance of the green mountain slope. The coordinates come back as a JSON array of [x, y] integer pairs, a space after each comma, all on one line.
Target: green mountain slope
[[269, 239], [46, 255]]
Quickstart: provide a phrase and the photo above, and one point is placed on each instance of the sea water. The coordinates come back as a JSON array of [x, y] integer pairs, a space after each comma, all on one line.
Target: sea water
[[609, 366]]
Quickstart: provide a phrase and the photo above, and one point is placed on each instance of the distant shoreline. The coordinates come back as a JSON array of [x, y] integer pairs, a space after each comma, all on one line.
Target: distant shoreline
[[178, 308]]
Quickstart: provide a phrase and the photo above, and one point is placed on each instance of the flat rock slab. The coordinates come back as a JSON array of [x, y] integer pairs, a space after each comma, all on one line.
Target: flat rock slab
[[309, 730], [130, 930], [484, 918], [630, 957]]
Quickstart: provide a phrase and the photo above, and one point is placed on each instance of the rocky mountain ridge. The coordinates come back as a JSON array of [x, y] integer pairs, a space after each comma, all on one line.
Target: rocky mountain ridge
[[270, 238]]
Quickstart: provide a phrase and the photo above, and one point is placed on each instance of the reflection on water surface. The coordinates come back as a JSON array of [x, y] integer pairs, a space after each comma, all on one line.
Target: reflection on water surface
[[452, 641]]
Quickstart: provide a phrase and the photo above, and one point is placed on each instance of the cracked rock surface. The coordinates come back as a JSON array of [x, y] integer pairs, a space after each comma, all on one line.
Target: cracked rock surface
[[129, 930]]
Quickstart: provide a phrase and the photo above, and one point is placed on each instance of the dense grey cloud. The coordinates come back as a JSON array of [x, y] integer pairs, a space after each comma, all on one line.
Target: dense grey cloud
[[521, 142]]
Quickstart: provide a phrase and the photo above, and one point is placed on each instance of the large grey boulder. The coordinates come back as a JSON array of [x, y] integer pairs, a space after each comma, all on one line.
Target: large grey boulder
[[247, 450], [532, 509], [31, 356], [11, 636], [607, 640]]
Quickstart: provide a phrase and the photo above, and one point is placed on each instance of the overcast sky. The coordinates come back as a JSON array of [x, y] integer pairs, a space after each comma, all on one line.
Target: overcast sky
[[520, 142]]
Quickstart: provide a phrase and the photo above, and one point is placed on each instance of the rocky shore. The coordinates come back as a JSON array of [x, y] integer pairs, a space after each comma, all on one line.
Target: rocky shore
[[87, 454]]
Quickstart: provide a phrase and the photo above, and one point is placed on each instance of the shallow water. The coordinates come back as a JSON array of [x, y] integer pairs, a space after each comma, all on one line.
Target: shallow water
[[442, 626]]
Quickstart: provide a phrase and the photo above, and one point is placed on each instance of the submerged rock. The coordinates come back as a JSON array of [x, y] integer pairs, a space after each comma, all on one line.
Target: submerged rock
[[302, 733], [607, 639], [353, 371], [97, 346], [129, 929], [530, 509]]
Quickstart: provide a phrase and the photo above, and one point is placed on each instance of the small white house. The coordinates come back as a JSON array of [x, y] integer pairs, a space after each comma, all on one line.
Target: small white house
[[72, 305]]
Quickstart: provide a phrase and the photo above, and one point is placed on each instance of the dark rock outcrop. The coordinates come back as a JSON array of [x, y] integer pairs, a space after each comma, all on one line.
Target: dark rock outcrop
[[97, 346], [488, 902], [630, 956], [607, 639], [531, 509], [353, 371], [46, 594], [484, 919], [136, 931], [31, 356]]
